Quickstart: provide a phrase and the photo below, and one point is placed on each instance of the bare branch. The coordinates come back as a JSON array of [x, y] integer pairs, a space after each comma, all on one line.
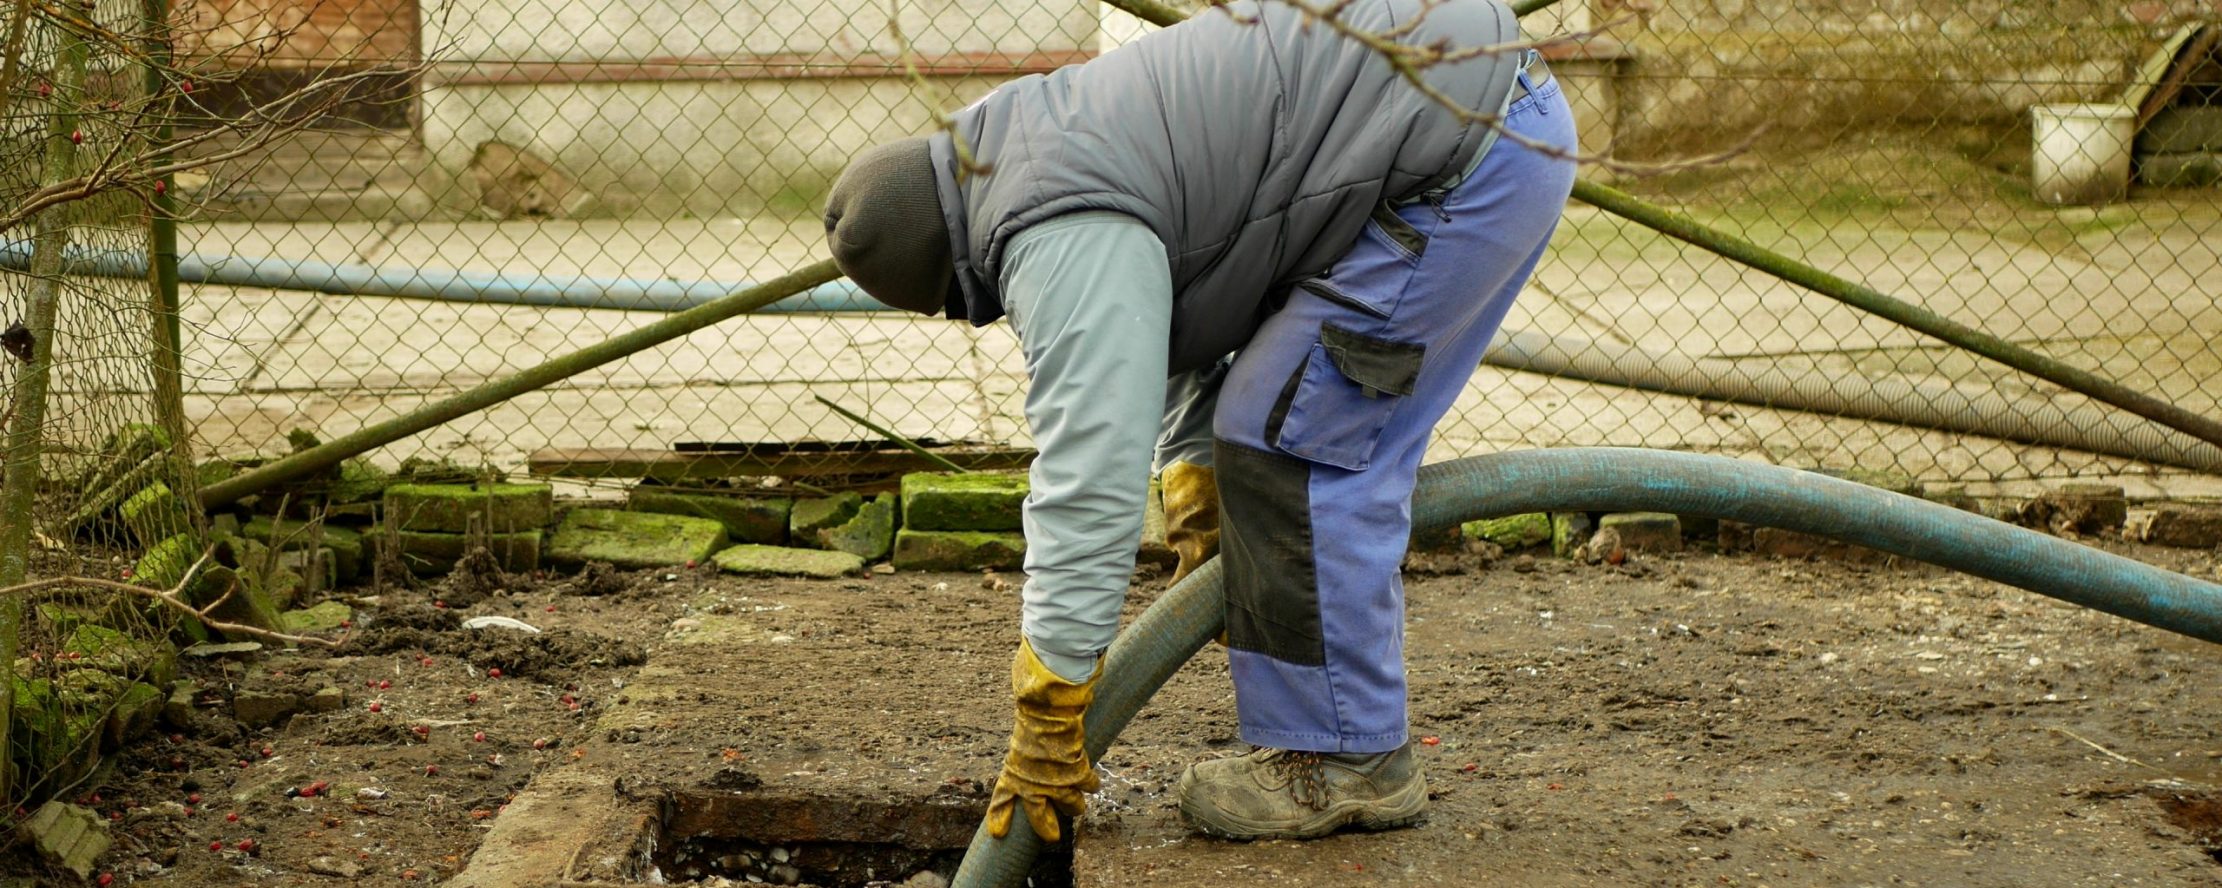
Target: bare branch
[[173, 598]]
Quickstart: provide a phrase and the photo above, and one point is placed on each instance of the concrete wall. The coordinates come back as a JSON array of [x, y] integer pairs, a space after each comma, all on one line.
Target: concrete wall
[[715, 107], [1708, 73]]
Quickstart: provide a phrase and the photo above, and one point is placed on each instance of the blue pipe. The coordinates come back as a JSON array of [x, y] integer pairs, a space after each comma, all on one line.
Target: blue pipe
[[1617, 479], [357, 279]]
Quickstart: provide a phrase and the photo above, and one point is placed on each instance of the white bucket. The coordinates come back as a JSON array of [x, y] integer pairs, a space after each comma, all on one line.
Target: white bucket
[[2082, 152]]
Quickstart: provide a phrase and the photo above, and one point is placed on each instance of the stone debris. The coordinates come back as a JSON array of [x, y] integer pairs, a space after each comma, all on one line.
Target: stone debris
[[2176, 524]]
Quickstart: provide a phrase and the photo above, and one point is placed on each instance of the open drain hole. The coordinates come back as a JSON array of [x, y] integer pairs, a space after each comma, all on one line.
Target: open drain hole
[[715, 838], [2197, 813]]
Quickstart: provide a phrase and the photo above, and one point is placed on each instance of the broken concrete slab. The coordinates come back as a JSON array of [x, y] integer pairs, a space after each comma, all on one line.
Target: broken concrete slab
[[453, 508], [133, 714], [958, 550], [166, 562], [1644, 531], [633, 539], [324, 616], [1511, 532], [426, 553], [981, 501], [2176, 524], [814, 514], [68, 837], [869, 534], [326, 699], [747, 519], [749, 559]]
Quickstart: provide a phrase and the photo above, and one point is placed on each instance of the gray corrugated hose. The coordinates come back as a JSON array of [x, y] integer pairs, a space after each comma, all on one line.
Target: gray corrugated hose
[[1615, 479]]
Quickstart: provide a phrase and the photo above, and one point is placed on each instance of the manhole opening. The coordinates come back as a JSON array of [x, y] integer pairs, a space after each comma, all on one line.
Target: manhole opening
[[2199, 814], [710, 837]]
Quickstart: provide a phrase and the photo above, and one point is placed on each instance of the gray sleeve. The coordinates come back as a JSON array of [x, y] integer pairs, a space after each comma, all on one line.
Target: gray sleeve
[[1091, 297], [1190, 400]]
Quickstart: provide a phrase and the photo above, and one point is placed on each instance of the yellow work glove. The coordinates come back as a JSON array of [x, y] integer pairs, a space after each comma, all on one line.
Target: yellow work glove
[[1047, 769], [1191, 495]]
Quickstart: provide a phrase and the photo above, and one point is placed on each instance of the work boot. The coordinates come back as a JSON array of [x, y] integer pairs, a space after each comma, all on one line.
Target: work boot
[[1284, 794]]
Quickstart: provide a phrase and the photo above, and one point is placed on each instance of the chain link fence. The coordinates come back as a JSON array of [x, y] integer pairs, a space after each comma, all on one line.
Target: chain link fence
[[557, 161]]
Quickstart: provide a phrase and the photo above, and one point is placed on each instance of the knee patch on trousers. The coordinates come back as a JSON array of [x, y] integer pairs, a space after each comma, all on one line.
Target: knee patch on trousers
[[1265, 543]]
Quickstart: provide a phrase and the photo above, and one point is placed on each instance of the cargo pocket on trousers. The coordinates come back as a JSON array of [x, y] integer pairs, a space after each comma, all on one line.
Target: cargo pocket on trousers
[[1343, 397]]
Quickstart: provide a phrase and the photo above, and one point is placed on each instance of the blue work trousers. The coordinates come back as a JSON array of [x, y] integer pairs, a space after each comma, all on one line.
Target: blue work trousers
[[1321, 424]]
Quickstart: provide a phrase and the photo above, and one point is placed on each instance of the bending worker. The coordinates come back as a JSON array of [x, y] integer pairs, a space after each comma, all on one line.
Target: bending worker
[[1255, 243]]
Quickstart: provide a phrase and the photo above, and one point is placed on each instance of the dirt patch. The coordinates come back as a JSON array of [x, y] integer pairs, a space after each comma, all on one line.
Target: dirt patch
[[1694, 718]]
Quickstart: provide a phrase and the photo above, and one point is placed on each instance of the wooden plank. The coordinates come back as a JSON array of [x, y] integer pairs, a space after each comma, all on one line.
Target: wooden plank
[[666, 465]]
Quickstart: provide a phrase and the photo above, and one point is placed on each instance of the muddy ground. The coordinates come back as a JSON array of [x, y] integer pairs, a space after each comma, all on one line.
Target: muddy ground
[[1696, 718]]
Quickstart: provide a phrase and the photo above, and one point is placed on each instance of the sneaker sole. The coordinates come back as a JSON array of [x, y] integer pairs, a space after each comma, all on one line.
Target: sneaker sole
[[1403, 808]]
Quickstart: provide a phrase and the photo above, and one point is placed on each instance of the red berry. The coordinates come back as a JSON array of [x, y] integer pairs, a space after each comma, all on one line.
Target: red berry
[[46, 89], [472, 697], [431, 770], [551, 608], [186, 86], [232, 817], [268, 752], [243, 763], [385, 684], [216, 846], [160, 187], [440, 604], [1432, 741], [106, 879], [423, 730], [128, 573], [541, 743], [190, 811], [427, 661], [376, 706], [690, 564], [193, 799], [77, 137], [494, 672], [117, 816], [567, 699], [246, 845], [347, 624], [478, 736], [96, 798]]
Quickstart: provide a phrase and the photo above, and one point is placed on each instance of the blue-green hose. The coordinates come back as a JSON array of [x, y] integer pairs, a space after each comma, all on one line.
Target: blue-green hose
[[1616, 479]]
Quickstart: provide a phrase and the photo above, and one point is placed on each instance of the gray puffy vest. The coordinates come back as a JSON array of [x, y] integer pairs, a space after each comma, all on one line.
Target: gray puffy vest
[[1255, 149]]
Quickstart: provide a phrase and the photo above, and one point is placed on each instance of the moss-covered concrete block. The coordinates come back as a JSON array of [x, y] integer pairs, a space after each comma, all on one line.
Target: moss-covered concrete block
[[822, 513], [166, 562], [747, 519], [869, 534], [113, 652], [324, 616], [153, 514], [249, 603], [958, 550], [451, 508], [970, 501], [633, 539], [1511, 531], [133, 714], [359, 481], [427, 553], [1569, 531], [753, 560], [263, 569], [349, 547], [57, 726], [1645, 531]]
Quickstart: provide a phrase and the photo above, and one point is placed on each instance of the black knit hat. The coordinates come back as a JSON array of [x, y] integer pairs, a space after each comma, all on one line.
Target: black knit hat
[[883, 222]]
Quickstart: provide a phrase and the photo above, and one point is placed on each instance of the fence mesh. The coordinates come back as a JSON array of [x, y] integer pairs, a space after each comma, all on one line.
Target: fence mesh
[[606, 149]]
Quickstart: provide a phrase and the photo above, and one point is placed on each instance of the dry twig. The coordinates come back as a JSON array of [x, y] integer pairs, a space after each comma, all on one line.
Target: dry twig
[[173, 598]]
